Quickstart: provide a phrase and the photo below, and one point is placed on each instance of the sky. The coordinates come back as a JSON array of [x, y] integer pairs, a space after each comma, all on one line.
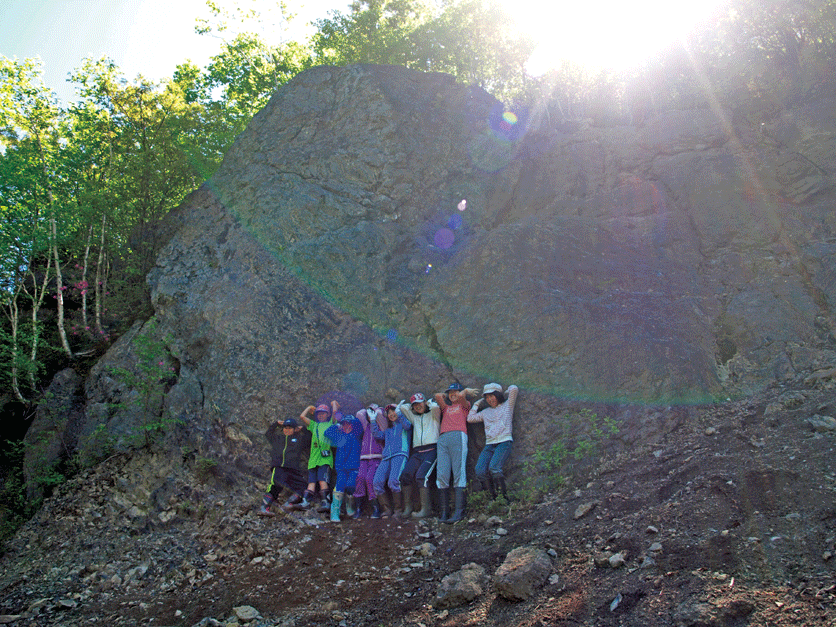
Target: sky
[[150, 37]]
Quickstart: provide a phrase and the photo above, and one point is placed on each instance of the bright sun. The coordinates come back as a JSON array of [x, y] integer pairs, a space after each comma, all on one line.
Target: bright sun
[[612, 34]]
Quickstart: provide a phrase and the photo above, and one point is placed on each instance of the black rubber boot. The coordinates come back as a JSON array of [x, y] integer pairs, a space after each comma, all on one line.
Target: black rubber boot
[[376, 508], [458, 514], [444, 497], [358, 507], [499, 482]]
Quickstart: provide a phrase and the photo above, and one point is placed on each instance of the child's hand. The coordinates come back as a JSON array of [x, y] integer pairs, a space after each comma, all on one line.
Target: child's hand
[[473, 392]]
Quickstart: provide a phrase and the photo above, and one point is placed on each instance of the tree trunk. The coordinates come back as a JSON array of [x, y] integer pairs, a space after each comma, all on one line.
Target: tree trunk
[[100, 288], [59, 289], [83, 285]]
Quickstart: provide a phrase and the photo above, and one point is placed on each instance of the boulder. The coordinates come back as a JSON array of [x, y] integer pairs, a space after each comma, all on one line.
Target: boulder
[[524, 570], [460, 587]]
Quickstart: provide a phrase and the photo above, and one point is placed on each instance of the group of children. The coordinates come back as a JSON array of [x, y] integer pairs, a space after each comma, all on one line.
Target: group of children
[[380, 455]]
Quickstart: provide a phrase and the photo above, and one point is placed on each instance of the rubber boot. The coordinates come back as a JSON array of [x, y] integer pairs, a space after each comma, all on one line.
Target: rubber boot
[[350, 505], [307, 500], [325, 503], [358, 506], [407, 501], [458, 514], [499, 482], [426, 504], [336, 503], [266, 502], [444, 497], [292, 502], [376, 508], [397, 504], [491, 487], [386, 504]]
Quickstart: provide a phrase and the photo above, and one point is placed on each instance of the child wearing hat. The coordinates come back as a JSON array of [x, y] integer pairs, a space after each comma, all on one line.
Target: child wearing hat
[[496, 411], [425, 417], [395, 452], [452, 449], [286, 453], [347, 437], [320, 462]]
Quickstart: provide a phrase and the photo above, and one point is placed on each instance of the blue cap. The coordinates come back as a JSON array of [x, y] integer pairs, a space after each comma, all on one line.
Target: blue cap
[[458, 387]]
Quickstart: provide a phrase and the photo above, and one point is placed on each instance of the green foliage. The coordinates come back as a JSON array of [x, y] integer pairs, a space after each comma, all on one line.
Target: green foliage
[[549, 469], [480, 502], [94, 447], [205, 468], [15, 508], [152, 371]]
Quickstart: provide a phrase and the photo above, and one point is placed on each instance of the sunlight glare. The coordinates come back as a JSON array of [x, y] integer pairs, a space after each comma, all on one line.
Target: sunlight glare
[[610, 34]]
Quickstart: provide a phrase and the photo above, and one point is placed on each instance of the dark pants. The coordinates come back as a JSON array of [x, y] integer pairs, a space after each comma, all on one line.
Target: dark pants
[[418, 468], [283, 477]]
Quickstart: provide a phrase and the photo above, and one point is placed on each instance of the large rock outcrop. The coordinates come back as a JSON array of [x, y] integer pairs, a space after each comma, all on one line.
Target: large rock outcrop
[[378, 231]]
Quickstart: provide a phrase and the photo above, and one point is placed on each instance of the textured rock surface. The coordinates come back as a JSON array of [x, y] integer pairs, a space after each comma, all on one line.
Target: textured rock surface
[[379, 231], [524, 570]]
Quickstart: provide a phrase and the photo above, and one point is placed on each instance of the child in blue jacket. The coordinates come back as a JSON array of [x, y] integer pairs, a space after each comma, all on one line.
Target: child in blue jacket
[[395, 454], [346, 436]]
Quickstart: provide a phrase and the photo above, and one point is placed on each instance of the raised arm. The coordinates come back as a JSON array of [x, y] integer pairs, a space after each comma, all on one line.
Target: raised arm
[[473, 414], [305, 416]]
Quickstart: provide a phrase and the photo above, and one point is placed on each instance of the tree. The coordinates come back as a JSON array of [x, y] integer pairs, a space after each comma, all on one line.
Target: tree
[[474, 40], [34, 205]]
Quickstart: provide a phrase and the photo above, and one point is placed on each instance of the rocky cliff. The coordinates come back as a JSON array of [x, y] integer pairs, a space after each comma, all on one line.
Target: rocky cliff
[[380, 231]]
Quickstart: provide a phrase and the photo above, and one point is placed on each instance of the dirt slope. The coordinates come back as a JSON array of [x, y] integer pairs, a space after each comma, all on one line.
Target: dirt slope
[[740, 502]]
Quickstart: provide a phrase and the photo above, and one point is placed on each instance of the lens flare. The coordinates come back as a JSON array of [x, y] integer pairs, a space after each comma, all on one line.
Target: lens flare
[[444, 238], [454, 222]]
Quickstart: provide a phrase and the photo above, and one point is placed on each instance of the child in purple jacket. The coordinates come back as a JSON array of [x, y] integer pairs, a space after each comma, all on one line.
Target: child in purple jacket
[[346, 436], [371, 452]]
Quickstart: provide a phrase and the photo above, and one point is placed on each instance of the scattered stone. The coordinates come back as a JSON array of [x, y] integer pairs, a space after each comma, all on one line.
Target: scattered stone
[[524, 570], [656, 547], [554, 579], [583, 509], [617, 560], [652, 529], [827, 556], [502, 531], [493, 521], [5, 619], [245, 613], [710, 431], [602, 560], [822, 424], [460, 587], [647, 562]]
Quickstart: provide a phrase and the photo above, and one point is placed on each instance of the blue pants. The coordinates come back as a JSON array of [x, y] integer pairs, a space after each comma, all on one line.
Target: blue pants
[[346, 481], [389, 473], [492, 459]]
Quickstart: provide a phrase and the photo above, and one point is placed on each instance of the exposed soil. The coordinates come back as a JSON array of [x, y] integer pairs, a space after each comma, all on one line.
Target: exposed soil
[[740, 501]]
